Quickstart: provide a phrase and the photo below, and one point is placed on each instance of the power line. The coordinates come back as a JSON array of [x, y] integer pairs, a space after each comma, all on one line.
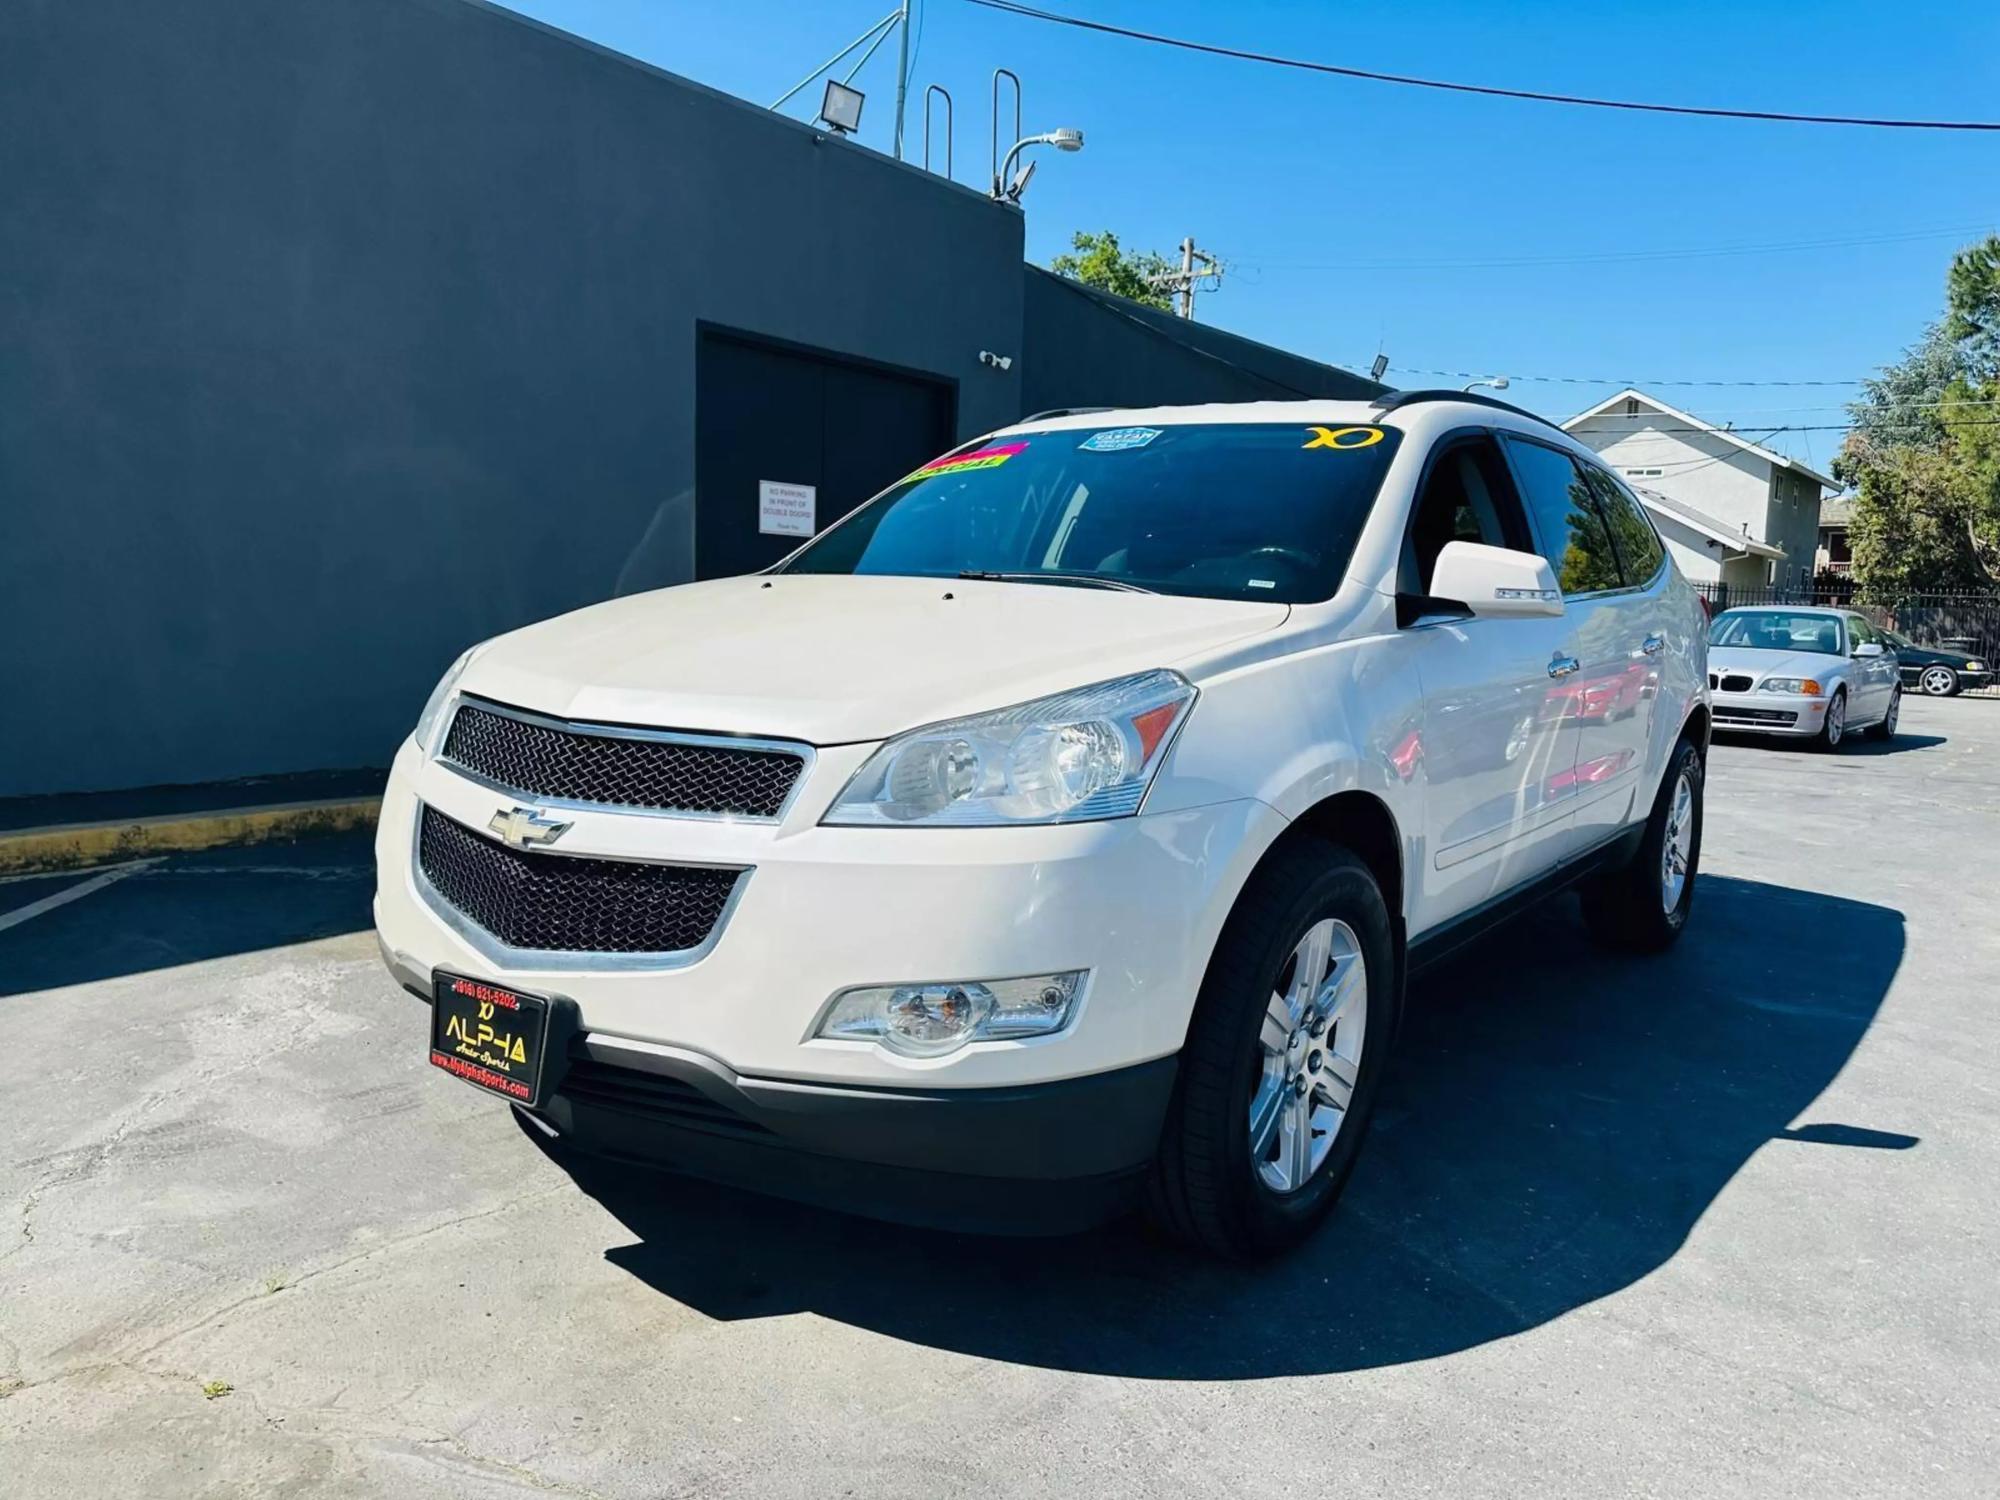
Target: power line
[[1011, 7], [1611, 257], [1618, 380], [1807, 427]]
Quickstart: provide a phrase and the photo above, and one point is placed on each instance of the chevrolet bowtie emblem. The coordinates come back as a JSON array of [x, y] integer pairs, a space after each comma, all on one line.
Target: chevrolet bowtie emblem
[[525, 826]]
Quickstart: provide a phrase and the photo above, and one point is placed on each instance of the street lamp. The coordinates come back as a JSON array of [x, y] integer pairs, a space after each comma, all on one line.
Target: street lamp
[[1065, 139], [1498, 382]]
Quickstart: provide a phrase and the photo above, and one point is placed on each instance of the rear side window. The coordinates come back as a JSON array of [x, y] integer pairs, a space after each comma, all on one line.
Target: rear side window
[[1573, 534], [1639, 551]]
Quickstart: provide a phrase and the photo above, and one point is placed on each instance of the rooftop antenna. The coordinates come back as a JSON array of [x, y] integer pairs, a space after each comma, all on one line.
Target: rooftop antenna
[[898, 20]]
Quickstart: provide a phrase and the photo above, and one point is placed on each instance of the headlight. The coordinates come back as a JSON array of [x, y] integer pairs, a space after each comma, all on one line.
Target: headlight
[[1975, 665], [1807, 686], [929, 1020], [427, 721], [1063, 759]]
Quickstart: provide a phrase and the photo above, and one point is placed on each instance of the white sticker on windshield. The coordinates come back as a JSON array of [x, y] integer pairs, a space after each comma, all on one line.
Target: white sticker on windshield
[[1118, 439], [1263, 583]]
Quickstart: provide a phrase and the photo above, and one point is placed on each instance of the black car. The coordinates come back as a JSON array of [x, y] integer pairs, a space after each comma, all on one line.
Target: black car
[[1939, 673]]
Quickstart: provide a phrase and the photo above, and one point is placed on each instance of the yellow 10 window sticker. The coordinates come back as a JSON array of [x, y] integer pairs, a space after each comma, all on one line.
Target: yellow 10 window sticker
[[1343, 437]]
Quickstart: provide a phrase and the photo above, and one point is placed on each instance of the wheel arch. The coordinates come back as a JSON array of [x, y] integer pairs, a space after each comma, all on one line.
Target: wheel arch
[[1356, 820], [1360, 821], [1696, 727]]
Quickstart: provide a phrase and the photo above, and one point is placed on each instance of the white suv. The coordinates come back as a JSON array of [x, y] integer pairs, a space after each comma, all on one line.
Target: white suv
[[1064, 821]]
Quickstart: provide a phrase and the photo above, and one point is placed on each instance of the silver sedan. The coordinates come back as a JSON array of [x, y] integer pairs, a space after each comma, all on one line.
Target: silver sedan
[[1802, 670]]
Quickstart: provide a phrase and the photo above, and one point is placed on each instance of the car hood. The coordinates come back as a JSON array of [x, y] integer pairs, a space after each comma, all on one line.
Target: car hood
[[1760, 663], [831, 660]]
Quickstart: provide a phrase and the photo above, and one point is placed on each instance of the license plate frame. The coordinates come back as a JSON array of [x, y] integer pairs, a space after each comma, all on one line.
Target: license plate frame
[[510, 1060]]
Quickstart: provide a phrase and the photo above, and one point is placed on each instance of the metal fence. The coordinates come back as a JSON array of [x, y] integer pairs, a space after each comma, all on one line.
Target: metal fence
[[1950, 622]]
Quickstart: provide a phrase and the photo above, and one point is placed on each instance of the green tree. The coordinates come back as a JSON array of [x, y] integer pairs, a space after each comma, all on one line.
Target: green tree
[[1098, 260], [1924, 453], [1914, 522], [1972, 309]]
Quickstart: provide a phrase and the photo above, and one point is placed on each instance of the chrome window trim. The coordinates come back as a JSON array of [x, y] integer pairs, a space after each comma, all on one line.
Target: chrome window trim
[[518, 960], [805, 754]]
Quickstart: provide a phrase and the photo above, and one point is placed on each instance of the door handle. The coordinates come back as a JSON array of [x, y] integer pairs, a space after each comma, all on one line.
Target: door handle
[[1562, 666], [1652, 645]]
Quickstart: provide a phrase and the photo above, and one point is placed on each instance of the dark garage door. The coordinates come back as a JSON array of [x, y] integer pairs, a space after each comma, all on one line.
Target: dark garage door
[[771, 415]]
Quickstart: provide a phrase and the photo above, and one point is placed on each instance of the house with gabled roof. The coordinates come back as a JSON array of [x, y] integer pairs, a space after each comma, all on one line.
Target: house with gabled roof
[[1730, 510]]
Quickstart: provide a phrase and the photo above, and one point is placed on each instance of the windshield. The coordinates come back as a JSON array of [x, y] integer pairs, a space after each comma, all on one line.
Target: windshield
[[1248, 511], [1777, 630]]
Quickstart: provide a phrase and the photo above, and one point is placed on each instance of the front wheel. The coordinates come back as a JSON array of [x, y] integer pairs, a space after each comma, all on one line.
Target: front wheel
[[1643, 906], [1833, 730], [1938, 682], [1288, 1041]]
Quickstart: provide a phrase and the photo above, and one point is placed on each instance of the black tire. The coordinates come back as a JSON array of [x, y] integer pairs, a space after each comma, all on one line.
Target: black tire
[[1833, 731], [1939, 681], [1204, 1188], [1626, 908], [1886, 730]]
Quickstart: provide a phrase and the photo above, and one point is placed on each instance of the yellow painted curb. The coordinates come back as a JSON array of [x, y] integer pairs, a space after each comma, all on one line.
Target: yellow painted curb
[[76, 846]]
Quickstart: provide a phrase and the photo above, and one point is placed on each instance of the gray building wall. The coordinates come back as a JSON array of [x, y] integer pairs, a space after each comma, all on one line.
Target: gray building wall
[[1083, 347], [1794, 524], [338, 334]]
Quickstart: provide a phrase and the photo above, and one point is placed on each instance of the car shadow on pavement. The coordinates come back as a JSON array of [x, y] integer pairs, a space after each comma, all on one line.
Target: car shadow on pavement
[[183, 908], [1856, 745], [1557, 1120]]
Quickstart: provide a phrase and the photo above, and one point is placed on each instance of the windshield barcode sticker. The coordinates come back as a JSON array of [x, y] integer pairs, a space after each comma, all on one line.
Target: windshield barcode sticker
[[1118, 439]]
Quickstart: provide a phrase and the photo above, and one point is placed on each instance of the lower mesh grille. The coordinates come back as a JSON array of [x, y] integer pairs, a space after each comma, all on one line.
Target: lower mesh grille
[[569, 903], [596, 1085]]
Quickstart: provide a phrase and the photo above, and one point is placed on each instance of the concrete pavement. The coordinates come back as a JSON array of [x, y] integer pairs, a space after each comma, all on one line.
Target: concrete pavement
[[1721, 1223]]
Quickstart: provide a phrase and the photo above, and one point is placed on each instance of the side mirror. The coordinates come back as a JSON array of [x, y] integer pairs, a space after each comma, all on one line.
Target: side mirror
[[1496, 582], [1869, 648]]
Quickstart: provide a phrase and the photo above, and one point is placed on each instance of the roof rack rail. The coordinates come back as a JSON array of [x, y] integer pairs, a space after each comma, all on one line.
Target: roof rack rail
[[1066, 411], [1396, 399]]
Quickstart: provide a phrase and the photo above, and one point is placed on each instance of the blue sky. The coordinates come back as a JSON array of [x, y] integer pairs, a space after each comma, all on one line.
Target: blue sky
[[1461, 233]]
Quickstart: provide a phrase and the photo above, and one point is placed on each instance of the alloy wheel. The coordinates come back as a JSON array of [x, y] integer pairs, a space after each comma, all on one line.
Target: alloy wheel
[[1836, 719], [1938, 681], [1313, 1030], [1677, 848]]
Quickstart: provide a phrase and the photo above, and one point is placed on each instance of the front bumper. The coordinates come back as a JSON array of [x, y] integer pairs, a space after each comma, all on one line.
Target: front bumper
[[1036, 1158], [1766, 713], [1138, 902]]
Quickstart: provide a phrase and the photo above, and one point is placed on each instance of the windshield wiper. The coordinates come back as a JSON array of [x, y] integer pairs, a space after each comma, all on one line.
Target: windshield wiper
[[1079, 580]]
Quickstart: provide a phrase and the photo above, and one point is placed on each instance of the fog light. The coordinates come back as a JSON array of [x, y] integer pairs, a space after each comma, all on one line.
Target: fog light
[[929, 1020]]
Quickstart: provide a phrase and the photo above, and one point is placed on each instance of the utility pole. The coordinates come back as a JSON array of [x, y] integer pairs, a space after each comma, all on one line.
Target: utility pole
[[1182, 283], [902, 72]]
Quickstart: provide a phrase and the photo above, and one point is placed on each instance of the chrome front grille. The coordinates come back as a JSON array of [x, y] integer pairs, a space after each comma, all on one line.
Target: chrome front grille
[[567, 903], [610, 766]]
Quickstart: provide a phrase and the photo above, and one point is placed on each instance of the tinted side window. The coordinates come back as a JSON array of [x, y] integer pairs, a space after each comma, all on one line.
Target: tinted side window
[[1574, 538], [1639, 551], [1860, 633], [1467, 497]]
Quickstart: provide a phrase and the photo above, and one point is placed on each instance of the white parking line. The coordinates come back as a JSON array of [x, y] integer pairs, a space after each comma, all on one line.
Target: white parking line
[[76, 892]]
